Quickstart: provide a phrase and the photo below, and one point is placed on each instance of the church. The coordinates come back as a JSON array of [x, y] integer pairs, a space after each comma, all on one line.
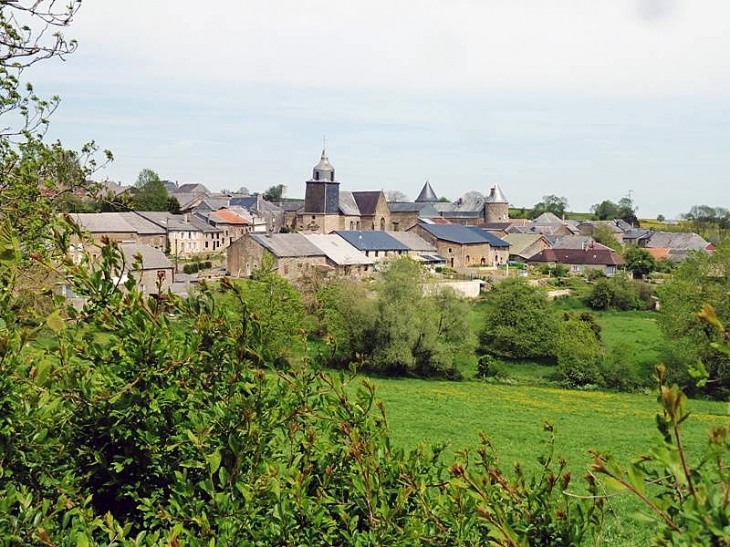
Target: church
[[328, 208]]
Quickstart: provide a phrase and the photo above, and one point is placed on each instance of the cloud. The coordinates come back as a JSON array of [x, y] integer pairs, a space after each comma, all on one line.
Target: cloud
[[465, 46], [655, 10]]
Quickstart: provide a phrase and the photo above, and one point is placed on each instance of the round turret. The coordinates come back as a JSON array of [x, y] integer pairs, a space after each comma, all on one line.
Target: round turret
[[496, 206]]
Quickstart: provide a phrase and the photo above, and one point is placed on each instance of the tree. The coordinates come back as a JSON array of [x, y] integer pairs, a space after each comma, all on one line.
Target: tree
[[274, 193], [579, 352], [151, 194], [550, 204], [605, 236], [145, 177], [701, 279], [660, 218], [395, 195], [639, 261], [605, 210], [444, 199], [400, 331], [519, 322]]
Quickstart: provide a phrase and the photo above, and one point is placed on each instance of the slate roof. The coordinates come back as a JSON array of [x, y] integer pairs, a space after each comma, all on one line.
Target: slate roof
[[413, 241], [496, 195], [255, 204], [462, 235], [637, 234], [404, 206], [338, 250], [576, 242], [519, 243], [596, 257], [293, 205], [103, 222], [367, 202], [287, 245], [141, 225], [677, 241], [152, 259], [191, 188], [614, 225], [178, 223], [427, 194], [547, 219], [367, 240], [492, 239], [348, 205]]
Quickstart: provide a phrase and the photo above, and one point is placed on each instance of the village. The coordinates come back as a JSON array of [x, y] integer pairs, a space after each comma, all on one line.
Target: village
[[335, 232]]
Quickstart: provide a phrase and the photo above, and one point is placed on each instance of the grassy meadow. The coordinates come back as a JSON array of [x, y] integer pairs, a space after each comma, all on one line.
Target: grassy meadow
[[512, 416], [512, 413]]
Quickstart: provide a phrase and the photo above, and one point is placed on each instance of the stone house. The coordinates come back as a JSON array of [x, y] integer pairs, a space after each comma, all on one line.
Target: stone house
[[232, 225], [187, 235], [523, 246], [293, 254], [580, 260], [464, 246], [127, 227], [154, 266], [345, 259]]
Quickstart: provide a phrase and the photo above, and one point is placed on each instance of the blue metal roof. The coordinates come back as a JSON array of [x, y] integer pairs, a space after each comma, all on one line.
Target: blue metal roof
[[493, 240], [367, 240], [463, 235]]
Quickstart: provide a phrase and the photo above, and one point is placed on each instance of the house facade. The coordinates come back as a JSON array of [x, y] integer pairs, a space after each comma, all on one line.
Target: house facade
[[462, 246], [580, 261], [293, 254]]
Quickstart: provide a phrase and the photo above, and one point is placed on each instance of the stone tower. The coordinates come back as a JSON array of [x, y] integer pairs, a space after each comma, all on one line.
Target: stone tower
[[322, 198], [496, 206]]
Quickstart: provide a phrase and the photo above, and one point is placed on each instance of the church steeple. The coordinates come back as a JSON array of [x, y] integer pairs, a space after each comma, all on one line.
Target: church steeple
[[323, 190], [324, 171]]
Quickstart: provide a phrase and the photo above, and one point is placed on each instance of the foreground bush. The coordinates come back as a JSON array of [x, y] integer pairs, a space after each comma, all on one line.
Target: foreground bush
[[146, 421]]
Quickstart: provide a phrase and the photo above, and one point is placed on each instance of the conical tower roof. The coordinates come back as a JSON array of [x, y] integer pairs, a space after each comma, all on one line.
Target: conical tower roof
[[427, 194], [496, 196]]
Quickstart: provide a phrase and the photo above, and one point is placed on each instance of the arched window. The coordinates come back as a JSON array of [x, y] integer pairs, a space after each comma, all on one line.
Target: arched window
[[382, 224], [316, 175]]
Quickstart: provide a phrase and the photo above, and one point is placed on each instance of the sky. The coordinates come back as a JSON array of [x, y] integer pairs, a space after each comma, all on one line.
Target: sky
[[586, 100]]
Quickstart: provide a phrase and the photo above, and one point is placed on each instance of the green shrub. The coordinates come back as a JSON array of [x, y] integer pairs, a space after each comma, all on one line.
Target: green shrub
[[619, 293], [618, 368], [519, 322], [489, 367], [579, 353]]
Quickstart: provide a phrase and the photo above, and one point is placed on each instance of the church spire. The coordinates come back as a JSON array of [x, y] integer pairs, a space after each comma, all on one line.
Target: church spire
[[427, 194]]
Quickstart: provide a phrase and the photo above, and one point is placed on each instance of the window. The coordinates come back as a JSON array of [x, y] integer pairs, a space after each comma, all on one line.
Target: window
[[316, 175], [367, 253], [286, 269], [396, 226], [206, 244], [575, 268], [376, 254], [450, 251]]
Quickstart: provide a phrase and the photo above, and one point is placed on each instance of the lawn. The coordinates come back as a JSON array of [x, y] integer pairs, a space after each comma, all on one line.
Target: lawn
[[512, 416]]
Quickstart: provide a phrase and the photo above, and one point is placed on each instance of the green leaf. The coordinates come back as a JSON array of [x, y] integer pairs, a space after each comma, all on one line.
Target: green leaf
[[636, 478], [214, 461], [55, 322]]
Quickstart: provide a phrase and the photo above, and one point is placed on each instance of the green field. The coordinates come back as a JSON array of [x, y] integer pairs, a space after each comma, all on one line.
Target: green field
[[512, 416], [512, 413]]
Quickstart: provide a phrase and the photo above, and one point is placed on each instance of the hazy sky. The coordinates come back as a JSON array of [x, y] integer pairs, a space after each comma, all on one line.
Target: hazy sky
[[582, 99]]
